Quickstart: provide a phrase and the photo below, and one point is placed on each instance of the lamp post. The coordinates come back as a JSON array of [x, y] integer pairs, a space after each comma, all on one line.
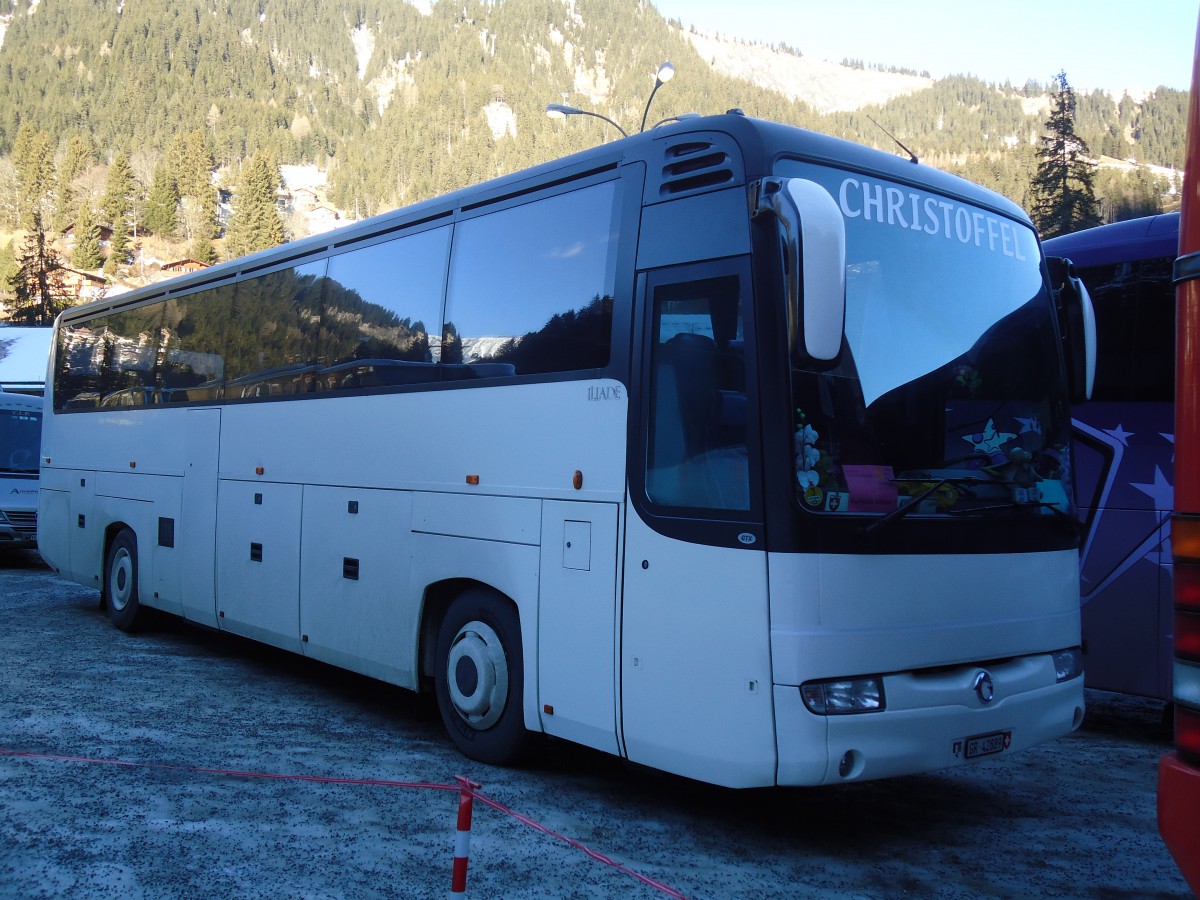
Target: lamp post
[[665, 72], [561, 111], [682, 117]]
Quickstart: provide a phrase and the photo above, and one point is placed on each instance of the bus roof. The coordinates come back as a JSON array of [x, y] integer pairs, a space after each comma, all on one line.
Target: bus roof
[[24, 353], [1144, 238], [761, 142], [24, 402]]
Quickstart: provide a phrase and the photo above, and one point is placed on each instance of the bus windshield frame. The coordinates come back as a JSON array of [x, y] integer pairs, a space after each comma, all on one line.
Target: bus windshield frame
[[947, 398]]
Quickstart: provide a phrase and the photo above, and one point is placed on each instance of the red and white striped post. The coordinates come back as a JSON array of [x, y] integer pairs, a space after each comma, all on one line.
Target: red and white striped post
[[462, 837]]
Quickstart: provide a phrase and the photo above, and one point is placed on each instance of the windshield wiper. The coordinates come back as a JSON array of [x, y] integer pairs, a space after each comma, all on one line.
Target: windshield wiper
[[901, 511], [1059, 515]]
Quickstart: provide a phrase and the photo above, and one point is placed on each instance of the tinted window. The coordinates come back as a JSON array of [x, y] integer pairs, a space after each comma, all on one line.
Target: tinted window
[[130, 342], [1135, 329], [697, 454], [20, 440], [272, 338], [378, 306], [109, 361], [77, 364], [531, 287], [192, 354]]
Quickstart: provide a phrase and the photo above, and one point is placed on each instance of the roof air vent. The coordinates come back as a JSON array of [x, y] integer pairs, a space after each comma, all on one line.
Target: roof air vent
[[694, 165]]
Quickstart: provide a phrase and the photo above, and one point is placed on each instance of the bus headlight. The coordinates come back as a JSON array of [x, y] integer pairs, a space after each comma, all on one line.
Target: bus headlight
[[1068, 664], [844, 696]]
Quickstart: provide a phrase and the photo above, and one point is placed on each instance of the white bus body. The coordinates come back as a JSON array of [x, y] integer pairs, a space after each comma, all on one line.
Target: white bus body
[[526, 526]]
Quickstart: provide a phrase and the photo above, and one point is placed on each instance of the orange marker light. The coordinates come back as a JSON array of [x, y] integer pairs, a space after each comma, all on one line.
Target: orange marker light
[[577, 480], [132, 464], [258, 470], [472, 479]]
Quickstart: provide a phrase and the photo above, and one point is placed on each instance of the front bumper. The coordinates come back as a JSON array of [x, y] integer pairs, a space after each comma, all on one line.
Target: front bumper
[[928, 721], [18, 529]]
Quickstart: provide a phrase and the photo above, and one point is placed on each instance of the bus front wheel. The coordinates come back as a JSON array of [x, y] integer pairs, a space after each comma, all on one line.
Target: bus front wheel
[[120, 582], [480, 678]]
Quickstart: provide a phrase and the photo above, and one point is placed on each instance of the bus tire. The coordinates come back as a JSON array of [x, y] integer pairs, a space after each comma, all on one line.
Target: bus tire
[[480, 678], [121, 582]]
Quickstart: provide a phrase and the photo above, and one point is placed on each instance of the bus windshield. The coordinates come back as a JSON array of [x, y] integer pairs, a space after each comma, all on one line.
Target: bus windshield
[[947, 398], [20, 439]]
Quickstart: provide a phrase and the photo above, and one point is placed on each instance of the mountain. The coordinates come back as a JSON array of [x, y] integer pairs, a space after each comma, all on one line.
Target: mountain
[[826, 87], [396, 101]]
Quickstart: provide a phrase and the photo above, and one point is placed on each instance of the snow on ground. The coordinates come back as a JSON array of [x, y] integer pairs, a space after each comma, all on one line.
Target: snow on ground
[[296, 177], [1072, 818]]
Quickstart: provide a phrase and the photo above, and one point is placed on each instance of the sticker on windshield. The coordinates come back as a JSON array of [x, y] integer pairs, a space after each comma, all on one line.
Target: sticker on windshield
[[931, 215]]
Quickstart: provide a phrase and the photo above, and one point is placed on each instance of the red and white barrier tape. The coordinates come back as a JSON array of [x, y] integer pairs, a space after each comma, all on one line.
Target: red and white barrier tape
[[467, 790]]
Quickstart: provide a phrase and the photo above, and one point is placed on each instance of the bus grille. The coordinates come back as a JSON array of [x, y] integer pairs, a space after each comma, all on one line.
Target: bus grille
[[22, 520]]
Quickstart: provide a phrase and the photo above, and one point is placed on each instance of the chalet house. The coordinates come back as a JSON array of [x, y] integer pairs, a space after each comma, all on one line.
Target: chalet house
[[105, 234], [183, 266], [305, 198], [322, 218], [82, 286]]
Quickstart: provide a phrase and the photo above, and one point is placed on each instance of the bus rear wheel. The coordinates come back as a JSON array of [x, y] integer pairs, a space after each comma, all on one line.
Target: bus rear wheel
[[480, 678], [121, 581]]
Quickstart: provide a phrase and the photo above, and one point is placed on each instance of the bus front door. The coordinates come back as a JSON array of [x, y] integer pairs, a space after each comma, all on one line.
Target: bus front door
[[696, 694]]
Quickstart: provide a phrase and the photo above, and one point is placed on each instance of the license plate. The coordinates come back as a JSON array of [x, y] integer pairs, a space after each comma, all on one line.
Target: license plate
[[987, 744]]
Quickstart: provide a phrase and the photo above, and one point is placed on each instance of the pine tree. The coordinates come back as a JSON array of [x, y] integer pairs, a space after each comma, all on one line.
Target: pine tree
[[120, 191], [40, 291], [76, 159], [190, 163], [34, 166], [160, 215], [1062, 189], [118, 249], [86, 254], [9, 273], [255, 224], [202, 250]]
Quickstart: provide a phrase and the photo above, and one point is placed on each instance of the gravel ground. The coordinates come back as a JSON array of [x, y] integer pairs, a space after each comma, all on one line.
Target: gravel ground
[[1075, 818]]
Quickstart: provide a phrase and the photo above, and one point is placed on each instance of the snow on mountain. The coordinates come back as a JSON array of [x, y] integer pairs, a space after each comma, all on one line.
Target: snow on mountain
[[825, 86]]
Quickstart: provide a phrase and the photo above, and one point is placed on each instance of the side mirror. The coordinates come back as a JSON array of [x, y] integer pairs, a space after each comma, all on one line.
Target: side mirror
[[814, 245], [1077, 322]]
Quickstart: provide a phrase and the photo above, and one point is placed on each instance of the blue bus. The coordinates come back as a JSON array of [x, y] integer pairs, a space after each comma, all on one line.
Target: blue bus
[[1124, 452]]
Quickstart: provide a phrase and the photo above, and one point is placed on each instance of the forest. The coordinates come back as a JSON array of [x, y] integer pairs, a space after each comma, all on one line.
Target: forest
[[397, 103]]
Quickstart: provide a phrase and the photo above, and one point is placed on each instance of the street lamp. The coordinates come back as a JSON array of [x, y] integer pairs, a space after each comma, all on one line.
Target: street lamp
[[561, 111], [665, 73], [682, 117]]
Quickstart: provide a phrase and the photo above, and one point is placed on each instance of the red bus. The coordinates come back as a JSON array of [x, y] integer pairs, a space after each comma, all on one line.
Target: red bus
[[1179, 772]]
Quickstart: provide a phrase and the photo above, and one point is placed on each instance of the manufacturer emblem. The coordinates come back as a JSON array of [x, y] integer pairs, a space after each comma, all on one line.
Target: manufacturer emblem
[[985, 690]]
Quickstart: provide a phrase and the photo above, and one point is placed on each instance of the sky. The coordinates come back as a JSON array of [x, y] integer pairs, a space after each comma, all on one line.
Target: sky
[[1101, 44]]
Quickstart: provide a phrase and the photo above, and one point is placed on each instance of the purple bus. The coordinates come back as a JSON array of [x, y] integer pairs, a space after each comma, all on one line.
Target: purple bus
[[1124, 453]]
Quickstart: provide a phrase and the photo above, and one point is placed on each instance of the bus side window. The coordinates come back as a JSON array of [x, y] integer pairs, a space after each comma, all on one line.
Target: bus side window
[[697, 454], [191, 353], [531, 287], [375, 311], [270, 345], [1135, 329]]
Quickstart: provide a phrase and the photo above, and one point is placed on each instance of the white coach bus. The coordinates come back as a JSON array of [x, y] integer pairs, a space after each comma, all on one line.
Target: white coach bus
[[735, 450]]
